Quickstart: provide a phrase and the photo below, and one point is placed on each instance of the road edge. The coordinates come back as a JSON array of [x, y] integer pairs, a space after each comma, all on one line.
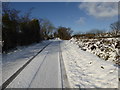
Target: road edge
[[65, 82], [8, 81]]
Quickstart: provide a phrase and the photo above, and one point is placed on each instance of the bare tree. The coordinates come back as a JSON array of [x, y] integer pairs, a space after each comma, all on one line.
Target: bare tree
[[115, 27], [64, 33], [27, 15], [47, 28]]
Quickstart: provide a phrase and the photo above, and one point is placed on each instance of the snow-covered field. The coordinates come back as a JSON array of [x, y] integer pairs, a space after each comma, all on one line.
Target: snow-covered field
[[86, 70], [103, 48], [12, 61]]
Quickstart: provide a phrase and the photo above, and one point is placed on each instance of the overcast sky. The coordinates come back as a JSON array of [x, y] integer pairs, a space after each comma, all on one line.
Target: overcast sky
[[79, 16]]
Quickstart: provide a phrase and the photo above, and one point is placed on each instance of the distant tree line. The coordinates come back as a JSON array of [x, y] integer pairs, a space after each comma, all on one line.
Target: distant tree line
[[63, 33], [22, 30], [96, 33]]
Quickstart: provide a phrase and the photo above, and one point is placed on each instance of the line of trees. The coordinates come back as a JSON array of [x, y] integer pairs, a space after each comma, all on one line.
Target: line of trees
[[96, 33], [63, 33], [18, 30], [22, 30]]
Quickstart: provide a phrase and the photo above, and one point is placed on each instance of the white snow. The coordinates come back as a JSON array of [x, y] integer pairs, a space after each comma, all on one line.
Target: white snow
[[86, 70], [12, 61], [104, 48], [42, 72]]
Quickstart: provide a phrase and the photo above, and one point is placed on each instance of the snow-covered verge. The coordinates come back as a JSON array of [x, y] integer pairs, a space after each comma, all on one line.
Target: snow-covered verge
[[86, 70], [104, 48], [12, 61]]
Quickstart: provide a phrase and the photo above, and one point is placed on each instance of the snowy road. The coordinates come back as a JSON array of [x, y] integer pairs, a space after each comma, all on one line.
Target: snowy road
[[48, 74], [57, 64], [12, 61], [43, 72]]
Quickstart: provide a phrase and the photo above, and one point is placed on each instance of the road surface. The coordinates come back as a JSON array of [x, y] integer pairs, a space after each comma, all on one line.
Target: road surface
[[12, 61], [43, 71]]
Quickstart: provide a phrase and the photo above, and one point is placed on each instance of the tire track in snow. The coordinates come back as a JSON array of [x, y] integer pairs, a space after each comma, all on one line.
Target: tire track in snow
[[8, 81], [64, 78], [38, 69]]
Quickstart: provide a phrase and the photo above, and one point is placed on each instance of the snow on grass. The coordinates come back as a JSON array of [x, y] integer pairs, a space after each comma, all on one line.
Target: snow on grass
[[12, 61], [87, 70], [104, 48]]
